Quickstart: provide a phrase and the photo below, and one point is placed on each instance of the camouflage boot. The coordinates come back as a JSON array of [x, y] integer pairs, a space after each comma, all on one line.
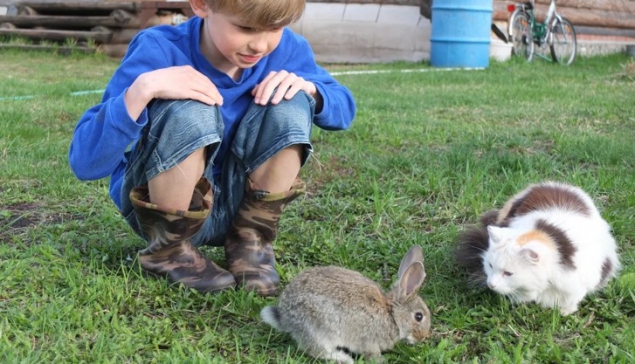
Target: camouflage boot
[[248, 246], [170, 253]]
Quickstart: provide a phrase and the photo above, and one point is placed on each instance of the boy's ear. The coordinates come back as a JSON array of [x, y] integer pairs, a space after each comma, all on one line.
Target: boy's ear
[[199, 7]]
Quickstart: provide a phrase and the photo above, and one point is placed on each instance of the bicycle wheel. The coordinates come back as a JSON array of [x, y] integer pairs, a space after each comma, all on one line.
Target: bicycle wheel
[[521, 35], [563, 44]]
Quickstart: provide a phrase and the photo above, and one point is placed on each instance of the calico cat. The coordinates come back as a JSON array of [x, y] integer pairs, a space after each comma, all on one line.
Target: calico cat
[[548, 244]]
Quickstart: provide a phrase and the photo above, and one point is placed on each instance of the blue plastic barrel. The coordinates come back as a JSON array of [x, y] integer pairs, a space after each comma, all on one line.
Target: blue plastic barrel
[[460, 33]]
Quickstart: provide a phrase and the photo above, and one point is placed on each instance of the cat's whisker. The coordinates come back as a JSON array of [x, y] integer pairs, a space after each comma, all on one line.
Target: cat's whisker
[[518, 297], [478, 248]]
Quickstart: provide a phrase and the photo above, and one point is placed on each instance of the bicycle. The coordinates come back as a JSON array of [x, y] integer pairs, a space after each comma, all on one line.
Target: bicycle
[[556, 31]]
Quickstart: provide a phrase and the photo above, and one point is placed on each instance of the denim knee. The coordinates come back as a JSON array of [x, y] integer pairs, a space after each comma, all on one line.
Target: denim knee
[[265, 130], [288, 116], [177, 128]]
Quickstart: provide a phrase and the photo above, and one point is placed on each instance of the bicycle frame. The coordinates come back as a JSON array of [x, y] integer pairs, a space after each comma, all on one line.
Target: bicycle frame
[[555, 32], [541, 32]]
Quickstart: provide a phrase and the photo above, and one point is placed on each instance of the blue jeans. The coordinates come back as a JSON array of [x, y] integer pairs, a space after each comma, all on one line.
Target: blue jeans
[[177, 128]]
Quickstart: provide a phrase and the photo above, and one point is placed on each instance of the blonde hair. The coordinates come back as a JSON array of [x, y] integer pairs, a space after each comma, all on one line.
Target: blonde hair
[[261, 14]]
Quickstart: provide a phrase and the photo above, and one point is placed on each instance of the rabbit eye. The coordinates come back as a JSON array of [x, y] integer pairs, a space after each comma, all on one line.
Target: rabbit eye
[[418, 316]]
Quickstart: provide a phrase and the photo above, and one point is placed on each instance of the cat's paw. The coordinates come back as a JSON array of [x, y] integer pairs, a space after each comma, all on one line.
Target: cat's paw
[[566, 311]]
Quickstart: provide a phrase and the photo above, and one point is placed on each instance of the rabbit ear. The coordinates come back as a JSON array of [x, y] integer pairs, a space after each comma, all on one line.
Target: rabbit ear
[[415, 254], [411, 280]]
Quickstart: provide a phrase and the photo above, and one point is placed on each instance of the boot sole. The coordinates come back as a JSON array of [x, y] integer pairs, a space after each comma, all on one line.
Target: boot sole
[[258, 290], [165, 276]]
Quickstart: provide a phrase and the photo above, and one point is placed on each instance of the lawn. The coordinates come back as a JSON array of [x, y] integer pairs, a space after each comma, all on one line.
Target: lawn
[[428, 153]]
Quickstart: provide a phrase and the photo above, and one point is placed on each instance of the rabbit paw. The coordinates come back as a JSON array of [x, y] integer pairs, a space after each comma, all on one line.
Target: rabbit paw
[[338, 356]]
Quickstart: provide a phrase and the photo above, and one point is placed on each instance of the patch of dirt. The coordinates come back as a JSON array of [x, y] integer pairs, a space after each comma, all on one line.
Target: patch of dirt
[[628, 71], [334, 168], [18, 218]]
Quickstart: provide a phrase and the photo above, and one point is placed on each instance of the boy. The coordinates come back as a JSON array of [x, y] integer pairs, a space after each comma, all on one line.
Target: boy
[[203, 130]]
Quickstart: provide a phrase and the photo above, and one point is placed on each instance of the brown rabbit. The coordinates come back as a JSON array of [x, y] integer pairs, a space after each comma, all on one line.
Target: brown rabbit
[[332, 312]]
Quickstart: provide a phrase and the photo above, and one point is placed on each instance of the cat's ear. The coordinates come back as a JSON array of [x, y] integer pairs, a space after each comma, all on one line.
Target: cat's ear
[[532, 255], [496, 234]]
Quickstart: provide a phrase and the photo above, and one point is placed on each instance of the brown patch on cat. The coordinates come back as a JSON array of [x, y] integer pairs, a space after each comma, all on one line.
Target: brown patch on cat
[[542, 197], [509, 211], [564, 245], [607, 268], [489, 218], [537, 236]]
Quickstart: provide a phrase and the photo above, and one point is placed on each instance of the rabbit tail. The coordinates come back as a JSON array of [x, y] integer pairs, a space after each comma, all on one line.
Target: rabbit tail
[[271, 315]]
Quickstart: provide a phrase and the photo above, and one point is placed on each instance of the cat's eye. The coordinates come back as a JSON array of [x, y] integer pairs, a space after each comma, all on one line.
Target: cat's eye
[[508, 274], [490, 265], [418, 316]]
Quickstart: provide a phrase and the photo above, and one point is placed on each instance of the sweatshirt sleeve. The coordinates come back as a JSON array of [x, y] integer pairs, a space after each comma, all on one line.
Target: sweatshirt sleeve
[[106, 131], [338, 110]]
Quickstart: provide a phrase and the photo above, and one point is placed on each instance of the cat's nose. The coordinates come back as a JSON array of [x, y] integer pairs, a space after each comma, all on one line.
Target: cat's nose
[[491, 285]]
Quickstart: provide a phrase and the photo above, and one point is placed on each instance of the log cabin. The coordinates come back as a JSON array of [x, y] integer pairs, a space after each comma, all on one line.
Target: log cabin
[[340, 31]]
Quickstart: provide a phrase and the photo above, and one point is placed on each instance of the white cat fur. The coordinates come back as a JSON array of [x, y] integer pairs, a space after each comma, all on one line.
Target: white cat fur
[[539, 272]]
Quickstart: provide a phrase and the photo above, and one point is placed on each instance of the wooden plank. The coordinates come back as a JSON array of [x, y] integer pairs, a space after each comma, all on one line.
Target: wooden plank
[[71, 21], [605, 31], [598, 18], [58, 35], [624, 6], [27, 11], [118, 35], [148, 9], [608, 5], [63, 7], [578, 17]]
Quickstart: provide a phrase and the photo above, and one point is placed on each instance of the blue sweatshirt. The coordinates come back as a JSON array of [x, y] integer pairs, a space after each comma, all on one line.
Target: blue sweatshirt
[[106, 131]]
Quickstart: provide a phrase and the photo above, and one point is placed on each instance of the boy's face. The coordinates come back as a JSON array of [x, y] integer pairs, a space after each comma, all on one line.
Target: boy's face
[[229, 43]]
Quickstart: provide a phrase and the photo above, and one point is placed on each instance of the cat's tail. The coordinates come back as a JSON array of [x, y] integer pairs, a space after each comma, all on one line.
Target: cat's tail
[[471, 244]]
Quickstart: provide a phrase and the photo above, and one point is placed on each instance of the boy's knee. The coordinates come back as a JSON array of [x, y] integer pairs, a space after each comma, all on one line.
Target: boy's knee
[[192, 117], [182, 109], [300, 102], [294, 113]]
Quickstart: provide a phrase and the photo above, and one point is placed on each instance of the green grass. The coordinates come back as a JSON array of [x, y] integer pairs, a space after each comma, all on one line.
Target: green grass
[[427, 154]]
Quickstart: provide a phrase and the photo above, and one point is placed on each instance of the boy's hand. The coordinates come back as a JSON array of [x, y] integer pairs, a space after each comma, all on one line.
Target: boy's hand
[[287, 84], [175, 83]]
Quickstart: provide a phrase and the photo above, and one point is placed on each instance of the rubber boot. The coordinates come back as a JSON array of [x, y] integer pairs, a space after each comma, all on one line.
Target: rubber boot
[[169, 252], [249, 241]]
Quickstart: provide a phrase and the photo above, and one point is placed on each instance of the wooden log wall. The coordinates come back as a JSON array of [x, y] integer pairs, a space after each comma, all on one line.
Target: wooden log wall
[[602, 17], [112, 24], [603, 13], [109, 26]]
